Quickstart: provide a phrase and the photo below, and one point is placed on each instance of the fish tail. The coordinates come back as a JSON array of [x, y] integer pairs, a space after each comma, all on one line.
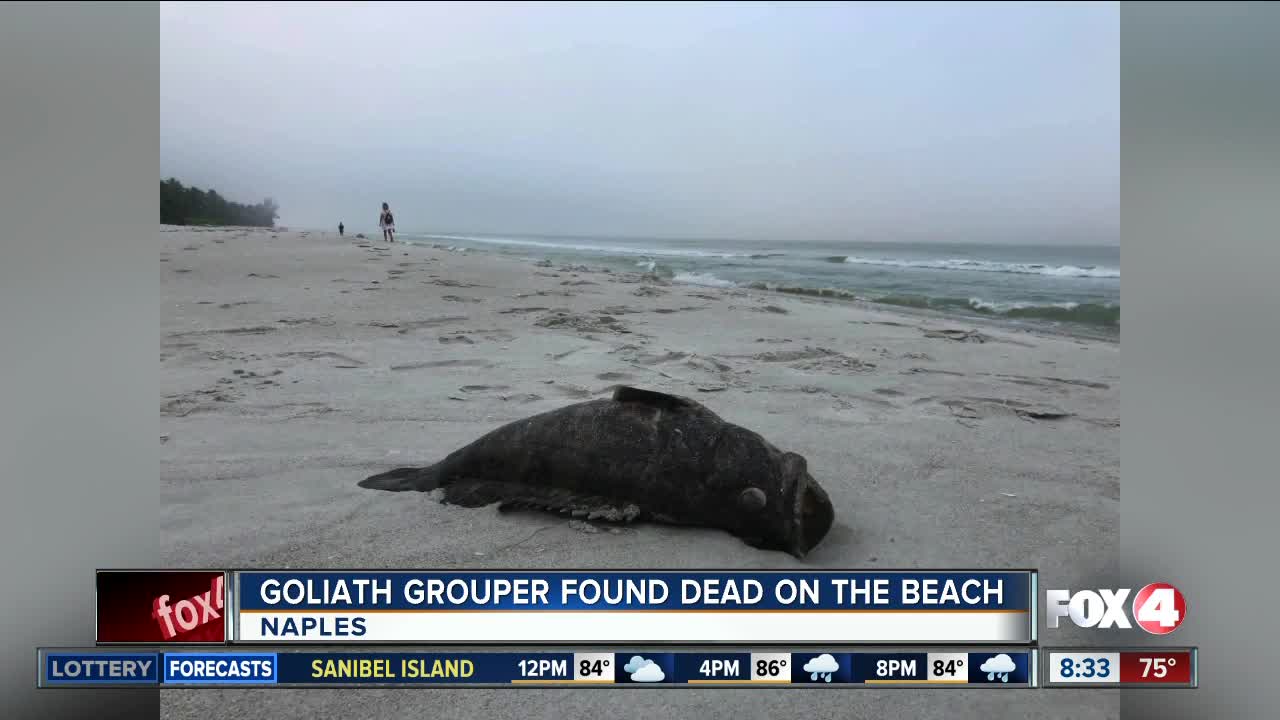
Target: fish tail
[[402, 479]]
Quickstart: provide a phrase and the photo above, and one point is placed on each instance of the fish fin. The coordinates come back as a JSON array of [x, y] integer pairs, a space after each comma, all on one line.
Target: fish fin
[[402, 479], [516, 496], [652, 398], [478, 493]]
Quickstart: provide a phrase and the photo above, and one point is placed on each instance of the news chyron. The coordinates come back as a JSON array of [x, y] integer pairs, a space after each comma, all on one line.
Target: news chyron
[[758, 628]]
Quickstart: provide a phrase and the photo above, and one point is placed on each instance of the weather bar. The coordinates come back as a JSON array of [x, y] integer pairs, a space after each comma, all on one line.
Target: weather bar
[[955, 667], [1120, 667]]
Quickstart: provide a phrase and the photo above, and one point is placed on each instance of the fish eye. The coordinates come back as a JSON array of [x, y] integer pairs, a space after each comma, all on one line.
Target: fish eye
[[752, 499]]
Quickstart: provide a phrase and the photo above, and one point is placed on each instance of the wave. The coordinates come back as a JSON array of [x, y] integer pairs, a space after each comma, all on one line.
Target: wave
[[837, 293], [656, 269], [983, 266], [704, 279], [613, 249], [1099, 314]]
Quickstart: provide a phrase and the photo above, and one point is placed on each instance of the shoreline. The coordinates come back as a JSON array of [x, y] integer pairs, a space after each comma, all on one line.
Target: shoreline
[[1069, 330], [1082, 331]]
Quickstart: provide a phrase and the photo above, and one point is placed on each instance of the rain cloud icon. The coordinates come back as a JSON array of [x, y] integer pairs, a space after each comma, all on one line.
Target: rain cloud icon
[[1000, 665], [823, 665]]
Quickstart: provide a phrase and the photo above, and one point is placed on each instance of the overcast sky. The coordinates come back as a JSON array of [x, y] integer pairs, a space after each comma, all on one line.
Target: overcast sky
[[942, 122]]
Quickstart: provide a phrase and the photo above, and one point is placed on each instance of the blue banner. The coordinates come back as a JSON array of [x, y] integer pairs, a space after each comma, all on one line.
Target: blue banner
[[533, 668], [336, 668], [220, 668], [700, 667], [637, 590]]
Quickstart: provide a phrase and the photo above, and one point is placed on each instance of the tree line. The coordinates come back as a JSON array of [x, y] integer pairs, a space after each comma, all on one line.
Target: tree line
[[181, 205]]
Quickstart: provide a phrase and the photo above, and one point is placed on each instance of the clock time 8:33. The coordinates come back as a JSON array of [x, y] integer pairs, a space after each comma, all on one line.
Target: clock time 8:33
[[1085, 667]]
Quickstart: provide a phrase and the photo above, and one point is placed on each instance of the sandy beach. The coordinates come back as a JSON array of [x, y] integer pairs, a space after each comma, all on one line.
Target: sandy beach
[[294, 364]]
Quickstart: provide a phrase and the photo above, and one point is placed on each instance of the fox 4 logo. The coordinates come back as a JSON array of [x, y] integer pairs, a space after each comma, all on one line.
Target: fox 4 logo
[[1158, 608]]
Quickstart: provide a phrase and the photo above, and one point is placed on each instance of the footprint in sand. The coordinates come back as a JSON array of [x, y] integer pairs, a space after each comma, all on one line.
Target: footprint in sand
[[482, 388], [651, 359], [930, 371], [321, 355], [523, 398], [521, 310], [976, 408], [614, 376], [442, 364], [256, 330], [323, 322], [405, 327], [809, 353], [668, 311], [573, 391], [581, 322]]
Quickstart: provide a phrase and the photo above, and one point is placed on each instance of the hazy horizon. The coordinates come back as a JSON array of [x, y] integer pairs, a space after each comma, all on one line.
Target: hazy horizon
[[977, 123]]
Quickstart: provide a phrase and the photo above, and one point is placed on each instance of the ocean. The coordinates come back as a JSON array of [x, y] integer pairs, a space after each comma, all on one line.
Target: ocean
[[1068, 287]]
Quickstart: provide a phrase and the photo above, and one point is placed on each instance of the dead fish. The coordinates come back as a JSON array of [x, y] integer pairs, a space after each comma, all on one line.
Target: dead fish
[[638, 456]]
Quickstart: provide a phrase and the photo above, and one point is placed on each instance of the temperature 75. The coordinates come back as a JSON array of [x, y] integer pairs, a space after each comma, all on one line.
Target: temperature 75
[[1156, 667]]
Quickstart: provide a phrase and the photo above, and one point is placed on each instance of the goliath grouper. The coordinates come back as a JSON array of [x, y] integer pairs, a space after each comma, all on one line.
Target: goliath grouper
[[638, 456]]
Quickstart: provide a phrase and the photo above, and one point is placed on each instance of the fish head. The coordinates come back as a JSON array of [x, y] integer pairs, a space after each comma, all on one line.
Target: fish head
[[806, 507], [778, 505]]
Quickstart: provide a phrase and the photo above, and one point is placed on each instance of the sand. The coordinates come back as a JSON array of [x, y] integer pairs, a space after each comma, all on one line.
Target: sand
[[294, 364]]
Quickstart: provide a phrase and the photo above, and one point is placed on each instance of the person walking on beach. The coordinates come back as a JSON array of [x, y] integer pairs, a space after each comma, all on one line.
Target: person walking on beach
[[339, 229], [388, 224]]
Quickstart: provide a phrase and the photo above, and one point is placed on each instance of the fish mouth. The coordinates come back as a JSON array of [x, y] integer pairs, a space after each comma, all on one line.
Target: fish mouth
[[812, 516]]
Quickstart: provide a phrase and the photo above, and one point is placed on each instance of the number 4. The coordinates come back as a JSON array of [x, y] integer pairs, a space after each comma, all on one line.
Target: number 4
[[1160, 607]]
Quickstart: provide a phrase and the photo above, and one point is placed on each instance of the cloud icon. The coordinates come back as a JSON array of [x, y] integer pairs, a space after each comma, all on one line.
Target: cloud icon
[[1000, 665], [648, 673], [636, 663], [822, 665]]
